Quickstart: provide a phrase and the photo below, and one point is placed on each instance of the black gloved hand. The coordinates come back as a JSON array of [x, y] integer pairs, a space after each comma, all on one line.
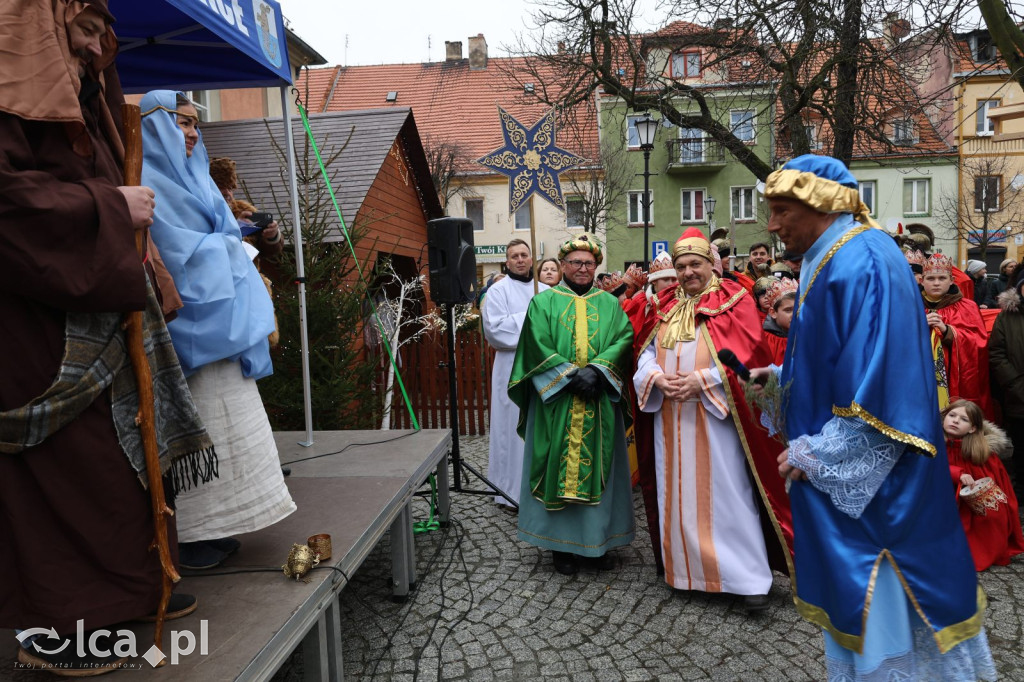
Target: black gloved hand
[[586, 383]]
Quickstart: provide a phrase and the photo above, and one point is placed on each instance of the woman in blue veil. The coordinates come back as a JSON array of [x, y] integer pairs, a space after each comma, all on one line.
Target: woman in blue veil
[[220, 335]]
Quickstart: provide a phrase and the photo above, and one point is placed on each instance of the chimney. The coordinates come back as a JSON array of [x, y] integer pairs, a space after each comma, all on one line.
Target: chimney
[[477, 52], [452, 50], [894, 28]]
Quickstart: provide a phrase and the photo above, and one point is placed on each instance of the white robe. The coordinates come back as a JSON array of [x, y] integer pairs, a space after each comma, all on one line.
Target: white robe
[[503, 312], [711, 532]]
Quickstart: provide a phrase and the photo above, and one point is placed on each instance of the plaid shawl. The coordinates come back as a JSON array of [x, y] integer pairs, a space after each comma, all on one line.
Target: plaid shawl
[[95, 357]]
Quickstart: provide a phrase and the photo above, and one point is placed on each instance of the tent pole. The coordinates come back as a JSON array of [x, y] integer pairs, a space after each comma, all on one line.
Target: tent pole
[[300, 270]]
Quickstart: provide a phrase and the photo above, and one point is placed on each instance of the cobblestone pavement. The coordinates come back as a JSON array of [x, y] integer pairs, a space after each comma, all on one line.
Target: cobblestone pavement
[[489, 607]]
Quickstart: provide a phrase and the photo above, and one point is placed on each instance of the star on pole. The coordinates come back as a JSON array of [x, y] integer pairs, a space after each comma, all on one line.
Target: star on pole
[[531, 160]]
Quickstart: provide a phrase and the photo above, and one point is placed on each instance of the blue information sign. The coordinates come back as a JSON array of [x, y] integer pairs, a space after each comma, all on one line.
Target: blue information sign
[[658, 247]]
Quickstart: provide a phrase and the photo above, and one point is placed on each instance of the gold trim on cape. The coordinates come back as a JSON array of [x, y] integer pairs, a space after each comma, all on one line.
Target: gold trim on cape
[[581, 331], [828, 256], [856, 410], [946, 638]]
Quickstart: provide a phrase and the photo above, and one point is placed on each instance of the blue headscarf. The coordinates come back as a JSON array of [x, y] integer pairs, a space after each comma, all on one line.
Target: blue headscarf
[[228, 313]]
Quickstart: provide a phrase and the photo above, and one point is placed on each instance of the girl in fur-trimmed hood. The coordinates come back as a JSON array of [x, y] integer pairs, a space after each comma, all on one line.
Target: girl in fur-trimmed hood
[[985, 498]]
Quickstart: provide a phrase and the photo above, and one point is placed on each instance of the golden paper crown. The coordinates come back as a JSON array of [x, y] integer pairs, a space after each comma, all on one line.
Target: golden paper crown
[[693, 242], [914, 257], [938, 263], [581, 243], [612, 282], [779, 288], [661, 268], [636, 276]]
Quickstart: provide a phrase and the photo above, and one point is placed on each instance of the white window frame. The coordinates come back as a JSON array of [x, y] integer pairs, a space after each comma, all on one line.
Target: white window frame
[[632, 134], [751, 205], [909, 129], [984, 126], [201, 101], [916, 201], [872, 201], [981, 200], [697, 196], [465, 211], [575, 198], [751, 121], [811, 133], [521, 215], [634, 207]]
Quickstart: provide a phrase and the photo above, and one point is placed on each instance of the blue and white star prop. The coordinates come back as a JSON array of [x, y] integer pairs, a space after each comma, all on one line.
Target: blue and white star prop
[[531, 160]]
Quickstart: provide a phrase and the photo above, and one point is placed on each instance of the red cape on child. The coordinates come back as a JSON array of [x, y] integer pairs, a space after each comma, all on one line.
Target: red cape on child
[[995, 536]]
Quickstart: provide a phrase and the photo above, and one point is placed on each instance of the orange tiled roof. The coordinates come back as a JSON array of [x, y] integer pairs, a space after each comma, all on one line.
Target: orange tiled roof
[[964, 62], [450, 101]]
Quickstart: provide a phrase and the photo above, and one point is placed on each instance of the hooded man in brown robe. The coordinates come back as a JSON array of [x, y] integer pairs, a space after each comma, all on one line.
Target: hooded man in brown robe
[[75, 517]]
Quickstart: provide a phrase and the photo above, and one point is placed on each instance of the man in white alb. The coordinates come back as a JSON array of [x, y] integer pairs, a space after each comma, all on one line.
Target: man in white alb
[[503, 311]]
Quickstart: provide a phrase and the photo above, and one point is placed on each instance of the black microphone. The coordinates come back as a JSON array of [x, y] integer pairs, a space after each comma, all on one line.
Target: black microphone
[[729, 359]]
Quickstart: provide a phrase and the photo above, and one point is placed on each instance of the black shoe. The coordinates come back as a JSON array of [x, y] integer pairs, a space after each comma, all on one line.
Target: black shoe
[[227, 545], [565, 563], [752, 603], [198, 556], [179, 606], [605, 562], [65, 662]]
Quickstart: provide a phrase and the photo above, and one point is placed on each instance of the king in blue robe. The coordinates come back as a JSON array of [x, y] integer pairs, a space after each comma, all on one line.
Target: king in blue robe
[[881, 561]]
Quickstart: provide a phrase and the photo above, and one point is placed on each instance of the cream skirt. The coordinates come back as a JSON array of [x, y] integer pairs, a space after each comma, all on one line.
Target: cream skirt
[[250, 492]]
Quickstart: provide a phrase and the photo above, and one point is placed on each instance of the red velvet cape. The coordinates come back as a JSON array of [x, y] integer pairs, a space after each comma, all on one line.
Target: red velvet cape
[[776, 346], [967, 358]]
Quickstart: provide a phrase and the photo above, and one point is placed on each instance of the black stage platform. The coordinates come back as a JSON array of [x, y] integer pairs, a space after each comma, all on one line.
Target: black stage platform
[[255, 620]]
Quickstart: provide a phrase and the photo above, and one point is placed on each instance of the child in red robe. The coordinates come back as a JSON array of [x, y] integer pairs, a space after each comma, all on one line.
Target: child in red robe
[[959, 335], [988, 506]]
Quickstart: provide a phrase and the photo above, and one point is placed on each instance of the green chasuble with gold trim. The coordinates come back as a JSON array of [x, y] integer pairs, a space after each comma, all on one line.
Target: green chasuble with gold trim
[[573, 440]]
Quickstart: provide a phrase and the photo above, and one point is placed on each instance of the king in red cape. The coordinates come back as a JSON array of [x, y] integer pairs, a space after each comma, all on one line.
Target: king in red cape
[[722, 530]]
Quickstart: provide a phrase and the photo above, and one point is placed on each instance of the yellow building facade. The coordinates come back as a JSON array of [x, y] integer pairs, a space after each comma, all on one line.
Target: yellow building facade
[[990, 205]]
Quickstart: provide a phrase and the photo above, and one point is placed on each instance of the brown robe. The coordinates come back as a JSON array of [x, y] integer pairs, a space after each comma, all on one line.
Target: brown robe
[[75, 523]]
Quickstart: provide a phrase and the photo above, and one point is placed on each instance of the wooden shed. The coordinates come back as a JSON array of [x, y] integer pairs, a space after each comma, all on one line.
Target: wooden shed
[[378, 169]]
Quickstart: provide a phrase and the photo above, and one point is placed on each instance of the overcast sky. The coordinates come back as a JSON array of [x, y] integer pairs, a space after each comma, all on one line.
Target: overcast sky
[[397, 31]]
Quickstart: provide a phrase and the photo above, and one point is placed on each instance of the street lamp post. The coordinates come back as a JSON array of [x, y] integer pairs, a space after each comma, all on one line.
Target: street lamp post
[[645, 128], [709, 208]]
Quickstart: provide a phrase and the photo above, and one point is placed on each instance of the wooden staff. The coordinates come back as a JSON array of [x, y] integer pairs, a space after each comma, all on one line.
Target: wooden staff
[[145, 419]]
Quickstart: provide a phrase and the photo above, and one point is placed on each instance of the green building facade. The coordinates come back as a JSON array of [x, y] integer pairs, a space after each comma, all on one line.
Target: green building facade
[[686, 168]]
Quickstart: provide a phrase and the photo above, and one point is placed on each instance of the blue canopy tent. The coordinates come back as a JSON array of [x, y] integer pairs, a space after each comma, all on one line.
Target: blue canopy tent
[[215, 45]]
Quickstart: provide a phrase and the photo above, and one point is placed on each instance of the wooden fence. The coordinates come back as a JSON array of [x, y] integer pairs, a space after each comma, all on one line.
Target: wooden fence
[[425, 373]]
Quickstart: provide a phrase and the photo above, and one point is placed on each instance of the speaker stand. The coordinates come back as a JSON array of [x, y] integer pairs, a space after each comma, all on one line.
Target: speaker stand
[[459, 467]]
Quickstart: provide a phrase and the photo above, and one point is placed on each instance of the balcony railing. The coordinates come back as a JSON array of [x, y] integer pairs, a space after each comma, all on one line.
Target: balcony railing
[[695, 152]]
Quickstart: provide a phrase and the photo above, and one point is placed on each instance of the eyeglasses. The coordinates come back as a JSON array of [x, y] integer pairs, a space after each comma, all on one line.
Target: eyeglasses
[[581, 264]]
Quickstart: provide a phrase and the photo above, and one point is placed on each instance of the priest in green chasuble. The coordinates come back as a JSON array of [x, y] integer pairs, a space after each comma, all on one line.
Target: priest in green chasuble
[[568, 380]]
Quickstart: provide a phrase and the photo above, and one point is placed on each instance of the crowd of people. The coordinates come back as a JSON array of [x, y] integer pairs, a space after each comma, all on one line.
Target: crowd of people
[[828, 416]]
